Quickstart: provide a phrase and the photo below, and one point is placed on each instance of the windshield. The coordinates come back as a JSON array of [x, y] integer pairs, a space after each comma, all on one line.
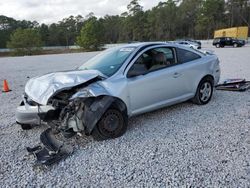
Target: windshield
[[108, 61]]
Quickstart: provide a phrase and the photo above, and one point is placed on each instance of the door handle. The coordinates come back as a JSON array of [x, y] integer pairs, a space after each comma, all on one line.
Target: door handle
[[176, 75]]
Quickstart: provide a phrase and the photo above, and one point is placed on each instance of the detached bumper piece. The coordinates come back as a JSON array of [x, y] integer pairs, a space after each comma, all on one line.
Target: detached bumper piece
[[234, 85], [52, 150]]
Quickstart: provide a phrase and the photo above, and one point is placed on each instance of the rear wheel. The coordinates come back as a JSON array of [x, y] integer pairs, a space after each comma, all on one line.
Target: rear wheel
[[235, 45], [217, 45], [112, 124], [204, 92]]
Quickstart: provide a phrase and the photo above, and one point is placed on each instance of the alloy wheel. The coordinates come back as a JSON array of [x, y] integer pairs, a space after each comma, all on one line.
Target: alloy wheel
[[205, 91]]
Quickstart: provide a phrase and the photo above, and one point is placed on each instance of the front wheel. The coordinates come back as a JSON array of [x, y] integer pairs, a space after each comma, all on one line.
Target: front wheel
[[112, 124], [235, 45], [26, 126], [217, 45], [204, 92]]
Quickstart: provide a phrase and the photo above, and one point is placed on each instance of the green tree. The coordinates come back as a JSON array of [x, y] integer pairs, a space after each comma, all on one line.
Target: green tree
[[9, 25], [68, 30], [169, 20], [238, 12], [188, 12], [133, 23], [134, 7], [91, 35], [211, 17], [44, 32], [111, 26], [25, 41], [6, 27], [163, 21]]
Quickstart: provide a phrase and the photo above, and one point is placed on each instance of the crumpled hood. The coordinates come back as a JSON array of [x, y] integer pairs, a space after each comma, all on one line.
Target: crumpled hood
[[40, 89]]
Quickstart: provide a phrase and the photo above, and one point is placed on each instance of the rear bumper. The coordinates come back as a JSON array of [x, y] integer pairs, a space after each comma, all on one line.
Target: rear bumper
[[27, 114]]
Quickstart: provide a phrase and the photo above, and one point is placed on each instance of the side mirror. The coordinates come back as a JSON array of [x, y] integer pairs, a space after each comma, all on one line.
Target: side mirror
[[137, 70]]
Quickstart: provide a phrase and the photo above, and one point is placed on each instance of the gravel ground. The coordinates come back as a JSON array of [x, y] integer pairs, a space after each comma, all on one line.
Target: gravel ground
[[180, 146]]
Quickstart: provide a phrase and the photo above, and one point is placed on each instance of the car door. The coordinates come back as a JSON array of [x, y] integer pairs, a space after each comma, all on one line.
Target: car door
[[223, 41], [158, 84], [228, 41], [191, 68]]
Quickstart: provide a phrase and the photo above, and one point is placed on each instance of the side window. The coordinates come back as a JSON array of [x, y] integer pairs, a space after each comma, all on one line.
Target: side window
[[152, 60], [186, 56]]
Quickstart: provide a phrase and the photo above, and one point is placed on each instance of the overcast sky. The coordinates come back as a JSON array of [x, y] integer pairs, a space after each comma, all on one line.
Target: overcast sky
[[49, 11]]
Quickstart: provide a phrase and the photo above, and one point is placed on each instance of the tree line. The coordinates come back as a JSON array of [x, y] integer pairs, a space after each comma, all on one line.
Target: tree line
[[169, 20]]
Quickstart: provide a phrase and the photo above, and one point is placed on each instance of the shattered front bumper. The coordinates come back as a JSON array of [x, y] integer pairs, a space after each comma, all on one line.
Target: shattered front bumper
[[27, 114]]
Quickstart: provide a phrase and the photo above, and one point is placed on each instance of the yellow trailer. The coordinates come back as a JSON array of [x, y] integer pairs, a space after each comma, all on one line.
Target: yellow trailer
[[235, 32]]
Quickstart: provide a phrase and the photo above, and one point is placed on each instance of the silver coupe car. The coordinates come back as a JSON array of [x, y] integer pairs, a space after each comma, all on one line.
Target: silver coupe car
[[98, 98]]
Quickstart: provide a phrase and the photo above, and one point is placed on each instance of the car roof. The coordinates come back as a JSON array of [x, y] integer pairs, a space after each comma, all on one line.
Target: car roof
[[145, 44], [152, 44], [140, 44]]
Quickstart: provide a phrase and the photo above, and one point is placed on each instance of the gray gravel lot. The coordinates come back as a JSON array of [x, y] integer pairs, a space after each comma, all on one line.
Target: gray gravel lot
[[179, 146]]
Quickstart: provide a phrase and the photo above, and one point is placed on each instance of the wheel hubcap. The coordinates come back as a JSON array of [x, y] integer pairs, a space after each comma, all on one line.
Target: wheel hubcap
[[111, 123], [205, 91]]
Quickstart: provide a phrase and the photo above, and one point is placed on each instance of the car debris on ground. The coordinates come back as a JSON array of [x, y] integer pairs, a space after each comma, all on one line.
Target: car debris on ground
[[234, 85], [52, 150]]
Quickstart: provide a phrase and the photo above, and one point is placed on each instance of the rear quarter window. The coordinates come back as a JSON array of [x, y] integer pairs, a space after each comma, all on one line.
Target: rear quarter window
[[185, 56]]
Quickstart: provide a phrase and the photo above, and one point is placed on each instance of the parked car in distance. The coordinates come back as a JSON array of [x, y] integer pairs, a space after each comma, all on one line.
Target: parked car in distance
[[98, 98], [220, 42], [188, 44], [194, 41]]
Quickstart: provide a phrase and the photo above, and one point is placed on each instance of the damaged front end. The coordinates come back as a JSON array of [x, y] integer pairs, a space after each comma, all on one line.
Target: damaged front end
[[79, 116], [47, 95], [67, 111]]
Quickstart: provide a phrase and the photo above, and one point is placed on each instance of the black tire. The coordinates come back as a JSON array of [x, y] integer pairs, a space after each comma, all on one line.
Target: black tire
[[26, 126], [235, 45], [112, 124], [217, 45], [204, 91]]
